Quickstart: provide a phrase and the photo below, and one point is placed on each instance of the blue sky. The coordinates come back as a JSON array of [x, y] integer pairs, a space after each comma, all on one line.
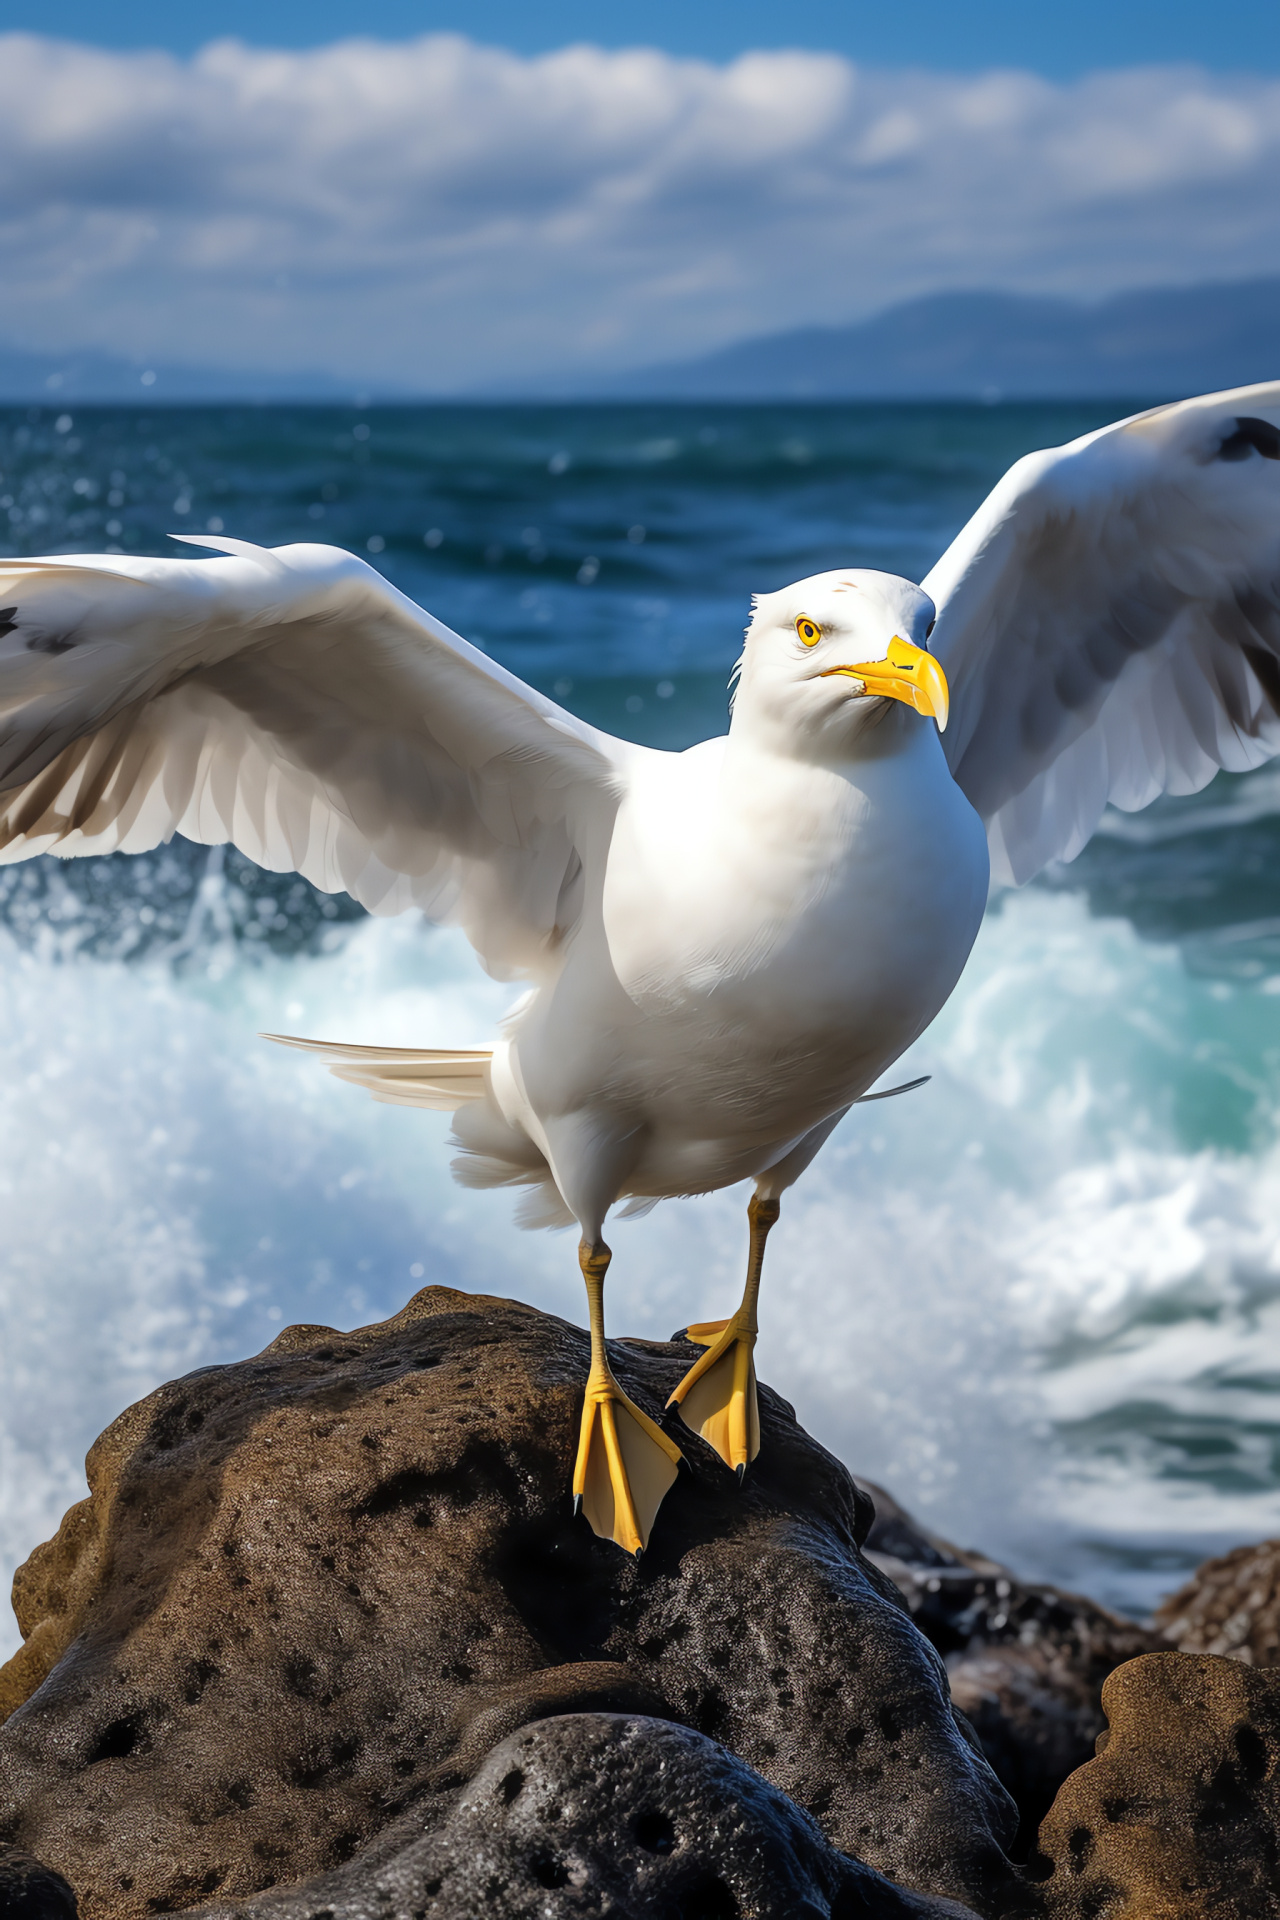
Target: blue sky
[[532, 195], [1059, 41]]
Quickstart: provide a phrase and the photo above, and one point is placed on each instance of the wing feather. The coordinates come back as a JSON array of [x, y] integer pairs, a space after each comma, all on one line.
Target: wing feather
[[1109, 622], [294, 703]]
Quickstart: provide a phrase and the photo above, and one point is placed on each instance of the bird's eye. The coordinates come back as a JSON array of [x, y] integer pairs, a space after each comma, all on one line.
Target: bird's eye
[[808, 631], [929, 629]]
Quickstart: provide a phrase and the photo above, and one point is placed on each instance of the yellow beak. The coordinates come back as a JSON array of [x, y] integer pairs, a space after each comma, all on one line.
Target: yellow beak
[[906, 673]]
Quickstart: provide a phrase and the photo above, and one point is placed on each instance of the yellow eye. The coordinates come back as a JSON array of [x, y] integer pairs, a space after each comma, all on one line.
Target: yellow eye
[[808, 631]]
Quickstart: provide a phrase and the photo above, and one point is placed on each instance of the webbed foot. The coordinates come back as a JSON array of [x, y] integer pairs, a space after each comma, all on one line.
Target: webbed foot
[[717, 1397], [625, 1467]]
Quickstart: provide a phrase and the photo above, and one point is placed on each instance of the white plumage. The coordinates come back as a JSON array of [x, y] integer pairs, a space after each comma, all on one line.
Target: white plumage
[[728, 946]]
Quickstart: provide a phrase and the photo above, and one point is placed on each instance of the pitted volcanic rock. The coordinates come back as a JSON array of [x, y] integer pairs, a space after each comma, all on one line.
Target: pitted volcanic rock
[[1026, 1662], [1178, 1817], [312, 1591], [1229, 1606], [610, 1814]]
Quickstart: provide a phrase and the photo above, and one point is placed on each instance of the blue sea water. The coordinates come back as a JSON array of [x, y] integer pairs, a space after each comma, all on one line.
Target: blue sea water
[[1040, 1298]]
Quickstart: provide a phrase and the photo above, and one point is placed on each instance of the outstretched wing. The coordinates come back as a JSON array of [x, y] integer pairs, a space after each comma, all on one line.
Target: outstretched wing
[[293, 702], [1109, 622]]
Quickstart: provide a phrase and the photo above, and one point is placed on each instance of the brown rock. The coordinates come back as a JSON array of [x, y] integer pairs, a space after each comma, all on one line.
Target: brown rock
[[1178, 1817], [1229, 1606], [311, 1591], [1026, 1662]]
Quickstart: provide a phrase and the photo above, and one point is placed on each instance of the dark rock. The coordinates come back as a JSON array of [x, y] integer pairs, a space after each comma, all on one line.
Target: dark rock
[[1229, 1606], [31, 1891], [1178, 1818], [1026, 1662], [310, 1592], [605, 1813]]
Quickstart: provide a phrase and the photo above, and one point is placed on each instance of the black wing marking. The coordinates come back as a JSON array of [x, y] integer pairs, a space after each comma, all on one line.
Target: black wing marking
[[1251, 435], [39, 642]]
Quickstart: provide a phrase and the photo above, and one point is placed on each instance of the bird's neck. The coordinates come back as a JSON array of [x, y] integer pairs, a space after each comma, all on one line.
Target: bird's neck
[[849, 737]]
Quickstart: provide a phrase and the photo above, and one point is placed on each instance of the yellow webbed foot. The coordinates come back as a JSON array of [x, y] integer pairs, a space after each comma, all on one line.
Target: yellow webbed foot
[[717, 1397], [625, 1467]]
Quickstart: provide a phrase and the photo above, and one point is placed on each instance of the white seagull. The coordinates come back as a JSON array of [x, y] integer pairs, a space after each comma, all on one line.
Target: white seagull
[[727, 947]]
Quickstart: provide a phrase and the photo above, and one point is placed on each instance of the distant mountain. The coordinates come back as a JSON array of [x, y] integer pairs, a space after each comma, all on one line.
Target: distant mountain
[[89, 377], [1159, 344]]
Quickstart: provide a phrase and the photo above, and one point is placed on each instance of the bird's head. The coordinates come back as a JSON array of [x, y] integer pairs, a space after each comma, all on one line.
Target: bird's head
[[825, 658]]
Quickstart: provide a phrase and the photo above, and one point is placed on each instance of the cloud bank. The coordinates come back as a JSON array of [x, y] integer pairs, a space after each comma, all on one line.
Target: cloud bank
[[445, 214]]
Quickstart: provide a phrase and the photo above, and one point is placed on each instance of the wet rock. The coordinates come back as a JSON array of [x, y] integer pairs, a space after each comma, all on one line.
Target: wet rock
[[32, 1891], [602, 1813], [1230, 1606], [1026, 1662], [312, 1591], [1178, 1817]]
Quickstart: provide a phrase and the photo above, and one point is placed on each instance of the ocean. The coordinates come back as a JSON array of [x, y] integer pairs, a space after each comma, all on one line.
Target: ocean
[[1039, 1299]]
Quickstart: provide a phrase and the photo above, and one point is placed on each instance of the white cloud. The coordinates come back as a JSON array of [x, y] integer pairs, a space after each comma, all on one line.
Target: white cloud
[[446, 213]]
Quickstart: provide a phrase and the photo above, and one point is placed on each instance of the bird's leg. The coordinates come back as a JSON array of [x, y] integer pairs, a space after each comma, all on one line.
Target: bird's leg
[[625, 1461], [717, 1397]]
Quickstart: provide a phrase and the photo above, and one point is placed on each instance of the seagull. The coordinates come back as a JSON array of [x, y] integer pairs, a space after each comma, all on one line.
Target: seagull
[[724, 949]]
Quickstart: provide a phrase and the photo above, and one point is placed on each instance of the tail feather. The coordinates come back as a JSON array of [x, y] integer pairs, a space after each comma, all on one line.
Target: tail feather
[[443, 1078]]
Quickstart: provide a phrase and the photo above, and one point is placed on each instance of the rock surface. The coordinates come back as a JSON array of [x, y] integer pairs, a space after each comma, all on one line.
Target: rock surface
[[1178, 1818], [312, 1592], [326, 1642], [606, 1813], [1026, 1663], [1230, 1606]]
